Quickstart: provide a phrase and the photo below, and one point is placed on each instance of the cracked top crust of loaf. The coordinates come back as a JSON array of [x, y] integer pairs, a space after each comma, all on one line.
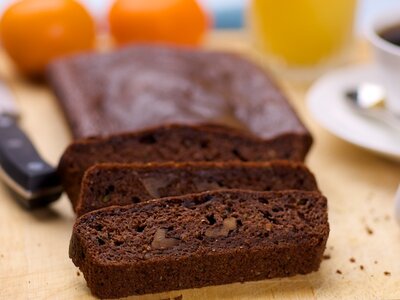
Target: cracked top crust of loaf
[[144, 86]]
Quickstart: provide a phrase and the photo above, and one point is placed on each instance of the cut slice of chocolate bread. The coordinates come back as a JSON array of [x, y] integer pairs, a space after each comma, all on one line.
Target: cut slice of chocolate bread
[[137, 87], [174, 143], [198, 240], [123, 184]]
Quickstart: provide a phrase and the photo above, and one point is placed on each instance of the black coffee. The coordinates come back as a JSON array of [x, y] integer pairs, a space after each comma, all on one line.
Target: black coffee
[[391, 34]]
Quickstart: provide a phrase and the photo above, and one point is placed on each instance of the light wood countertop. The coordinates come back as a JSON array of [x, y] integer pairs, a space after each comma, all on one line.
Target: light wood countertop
[[360, 186]]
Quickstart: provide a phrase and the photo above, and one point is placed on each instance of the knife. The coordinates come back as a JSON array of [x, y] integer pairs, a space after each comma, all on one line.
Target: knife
[[32, 180]]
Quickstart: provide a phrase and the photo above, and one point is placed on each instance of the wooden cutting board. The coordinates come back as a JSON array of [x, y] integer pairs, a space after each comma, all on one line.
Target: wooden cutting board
[[364, 242]]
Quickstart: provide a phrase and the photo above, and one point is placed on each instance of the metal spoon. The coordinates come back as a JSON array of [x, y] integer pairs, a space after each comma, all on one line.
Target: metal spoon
[[369, 99]]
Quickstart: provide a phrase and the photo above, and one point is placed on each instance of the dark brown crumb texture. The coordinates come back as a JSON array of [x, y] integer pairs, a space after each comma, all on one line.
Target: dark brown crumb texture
[[174, 143], [123, 184], [198, 240]]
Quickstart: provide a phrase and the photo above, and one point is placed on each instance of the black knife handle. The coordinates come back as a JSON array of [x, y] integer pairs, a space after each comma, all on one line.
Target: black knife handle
[[21, 162]]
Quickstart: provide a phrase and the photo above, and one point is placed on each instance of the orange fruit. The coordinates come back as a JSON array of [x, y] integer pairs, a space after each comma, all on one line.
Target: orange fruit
[[169, 21], [34, 32]]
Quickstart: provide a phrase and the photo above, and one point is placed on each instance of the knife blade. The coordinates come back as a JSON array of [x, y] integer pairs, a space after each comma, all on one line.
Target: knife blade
[[30, 178]]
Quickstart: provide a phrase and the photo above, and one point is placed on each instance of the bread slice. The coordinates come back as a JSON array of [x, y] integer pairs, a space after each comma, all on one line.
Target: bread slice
[[174, 143], [142, 86], [198, 240], [123, 184]]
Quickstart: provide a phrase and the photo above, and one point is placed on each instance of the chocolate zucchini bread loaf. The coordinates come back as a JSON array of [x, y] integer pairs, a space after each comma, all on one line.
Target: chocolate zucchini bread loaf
[[143, 86], [174, 143], [123, 184], [198, 240]]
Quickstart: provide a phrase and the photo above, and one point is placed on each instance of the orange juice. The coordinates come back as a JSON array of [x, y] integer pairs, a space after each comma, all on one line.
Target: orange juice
[[302, 32]]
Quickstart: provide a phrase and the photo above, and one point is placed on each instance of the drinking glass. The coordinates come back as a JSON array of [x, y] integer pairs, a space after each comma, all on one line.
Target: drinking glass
[[302, 35]]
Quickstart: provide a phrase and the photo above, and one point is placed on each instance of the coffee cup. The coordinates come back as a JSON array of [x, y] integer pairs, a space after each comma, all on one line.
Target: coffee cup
[[384, 36]]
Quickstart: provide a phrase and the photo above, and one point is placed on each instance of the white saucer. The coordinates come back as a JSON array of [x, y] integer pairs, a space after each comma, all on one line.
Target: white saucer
[[328, 104]]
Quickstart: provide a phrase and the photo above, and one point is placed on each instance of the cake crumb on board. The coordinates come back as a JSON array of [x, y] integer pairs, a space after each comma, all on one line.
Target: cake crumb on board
[[386, 273], [352, 260], [361, 267], [339, 272], [369, 230], [326, 256]]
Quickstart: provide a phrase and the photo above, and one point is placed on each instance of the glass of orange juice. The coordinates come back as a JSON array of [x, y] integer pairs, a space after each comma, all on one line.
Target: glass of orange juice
[[302, 36]]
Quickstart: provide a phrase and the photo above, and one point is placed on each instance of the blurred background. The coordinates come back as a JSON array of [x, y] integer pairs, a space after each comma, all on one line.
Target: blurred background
[[229, 13]]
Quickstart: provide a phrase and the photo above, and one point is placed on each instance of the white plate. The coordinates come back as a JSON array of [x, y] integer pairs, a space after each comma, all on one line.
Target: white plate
[[327, 102]]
